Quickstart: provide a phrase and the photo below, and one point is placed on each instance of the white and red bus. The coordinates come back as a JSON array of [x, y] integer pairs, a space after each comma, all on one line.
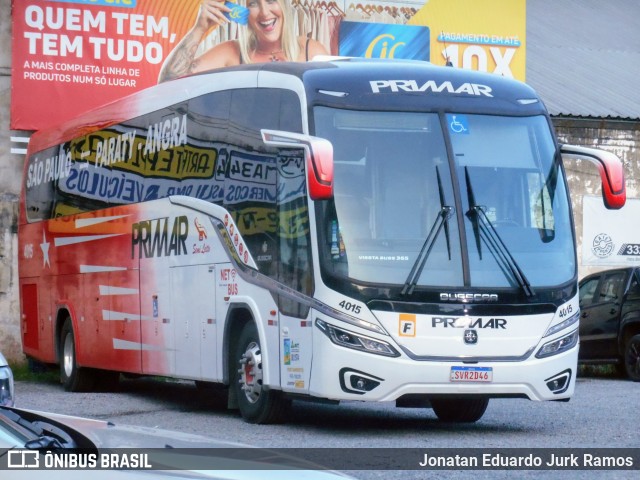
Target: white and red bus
[[337, 230]]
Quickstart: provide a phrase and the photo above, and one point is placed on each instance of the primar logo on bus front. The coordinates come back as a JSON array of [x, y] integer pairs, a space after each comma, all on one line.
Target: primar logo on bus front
[[395, 86], [467, 322]]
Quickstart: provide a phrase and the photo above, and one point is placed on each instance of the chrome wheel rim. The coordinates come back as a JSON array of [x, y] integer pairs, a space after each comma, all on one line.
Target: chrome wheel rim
[[67, 352], [251, 372]]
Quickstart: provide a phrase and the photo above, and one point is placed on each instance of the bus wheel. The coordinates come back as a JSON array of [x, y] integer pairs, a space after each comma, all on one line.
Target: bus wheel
[[459, 410], [256, 404], [72, 377], [632, 358]]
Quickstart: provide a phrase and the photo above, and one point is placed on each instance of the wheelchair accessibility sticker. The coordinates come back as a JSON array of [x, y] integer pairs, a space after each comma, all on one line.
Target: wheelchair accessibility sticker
[[458, 124]]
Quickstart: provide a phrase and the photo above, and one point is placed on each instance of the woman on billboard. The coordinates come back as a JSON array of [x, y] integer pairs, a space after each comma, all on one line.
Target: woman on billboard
[[266, 35]]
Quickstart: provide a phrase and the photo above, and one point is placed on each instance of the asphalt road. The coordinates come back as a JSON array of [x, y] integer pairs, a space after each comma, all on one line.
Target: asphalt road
[[603, 413]]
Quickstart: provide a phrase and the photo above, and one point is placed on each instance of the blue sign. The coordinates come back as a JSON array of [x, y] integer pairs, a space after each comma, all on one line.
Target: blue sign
[[379, 40], [458, 124]]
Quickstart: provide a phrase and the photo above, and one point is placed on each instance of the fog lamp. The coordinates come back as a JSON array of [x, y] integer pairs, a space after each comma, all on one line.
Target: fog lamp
[[559, 383]]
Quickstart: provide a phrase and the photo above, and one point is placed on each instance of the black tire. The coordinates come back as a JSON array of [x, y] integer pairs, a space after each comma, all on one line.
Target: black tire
[[459, 410], [72, 377], [632, 358], [256, 404]]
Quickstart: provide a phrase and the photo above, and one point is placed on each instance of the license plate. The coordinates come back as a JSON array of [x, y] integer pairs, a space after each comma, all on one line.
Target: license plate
[[471, 374]]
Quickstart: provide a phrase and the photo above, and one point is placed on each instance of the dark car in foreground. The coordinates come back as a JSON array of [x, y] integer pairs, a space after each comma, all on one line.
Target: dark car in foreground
[[610, 319]]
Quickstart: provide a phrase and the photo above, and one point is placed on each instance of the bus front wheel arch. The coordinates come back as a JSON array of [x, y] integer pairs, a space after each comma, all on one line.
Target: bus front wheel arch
[[72, 377], [256, 403]]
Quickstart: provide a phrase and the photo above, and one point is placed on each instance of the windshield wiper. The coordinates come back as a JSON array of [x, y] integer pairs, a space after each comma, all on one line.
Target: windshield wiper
[[441, 220], [499, 250], [443, 215]]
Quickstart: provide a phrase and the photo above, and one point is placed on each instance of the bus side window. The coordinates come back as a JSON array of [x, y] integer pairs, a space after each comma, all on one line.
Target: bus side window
[[251, 179], [208, 122], [39, 201], [274, 186], [268, 186]]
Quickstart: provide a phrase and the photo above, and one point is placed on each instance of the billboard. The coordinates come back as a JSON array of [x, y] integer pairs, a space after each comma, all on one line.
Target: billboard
[[70, 56], [488, 36]]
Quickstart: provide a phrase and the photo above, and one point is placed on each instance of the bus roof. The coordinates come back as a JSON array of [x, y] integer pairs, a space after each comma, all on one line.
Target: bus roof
[[343, 83], [416, 85]]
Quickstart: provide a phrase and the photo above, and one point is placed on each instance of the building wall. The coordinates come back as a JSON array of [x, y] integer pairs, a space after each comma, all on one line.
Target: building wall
[[10, 173], [621, 138]]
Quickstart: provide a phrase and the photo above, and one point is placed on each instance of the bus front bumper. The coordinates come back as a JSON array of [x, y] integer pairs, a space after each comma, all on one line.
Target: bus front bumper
[[340, 373]]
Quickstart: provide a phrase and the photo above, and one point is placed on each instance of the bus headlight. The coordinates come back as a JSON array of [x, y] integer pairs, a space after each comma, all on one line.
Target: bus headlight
[[6, 387], [355, 341], [562, 325], [559, 345]]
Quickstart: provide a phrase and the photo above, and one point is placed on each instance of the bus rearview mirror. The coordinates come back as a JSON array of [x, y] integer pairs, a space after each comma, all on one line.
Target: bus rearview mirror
[[318, 157], [611, 171]]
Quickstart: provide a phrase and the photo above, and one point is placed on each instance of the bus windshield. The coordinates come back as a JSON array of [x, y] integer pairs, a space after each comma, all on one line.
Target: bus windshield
[[405, 212]]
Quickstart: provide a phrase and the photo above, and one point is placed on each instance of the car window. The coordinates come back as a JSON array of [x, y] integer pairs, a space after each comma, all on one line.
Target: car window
[[610, 287], [587, 289], [634, 288]]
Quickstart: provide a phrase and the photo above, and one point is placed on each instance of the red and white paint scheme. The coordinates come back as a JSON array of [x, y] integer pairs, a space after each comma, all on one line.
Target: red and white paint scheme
[[315, 230]]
